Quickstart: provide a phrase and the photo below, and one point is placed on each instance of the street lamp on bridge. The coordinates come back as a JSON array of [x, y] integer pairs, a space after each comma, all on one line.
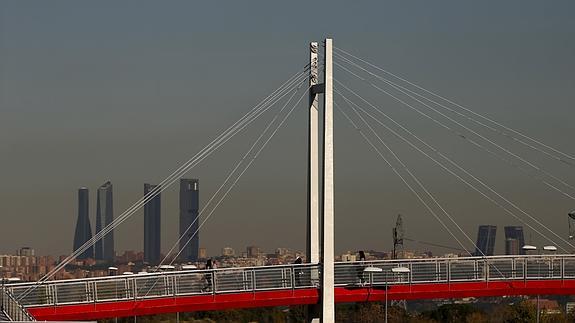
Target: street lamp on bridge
[[528, 248], [395, 270], [550, 248]]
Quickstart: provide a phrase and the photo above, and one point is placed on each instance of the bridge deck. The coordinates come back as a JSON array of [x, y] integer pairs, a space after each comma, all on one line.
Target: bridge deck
[[96, 311], [117, 296]]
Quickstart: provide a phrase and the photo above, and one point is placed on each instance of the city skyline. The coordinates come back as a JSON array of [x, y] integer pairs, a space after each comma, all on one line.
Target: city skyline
[[151, 93]]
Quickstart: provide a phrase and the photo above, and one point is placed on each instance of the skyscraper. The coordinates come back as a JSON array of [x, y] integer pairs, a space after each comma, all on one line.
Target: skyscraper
[[105, 216], [152, 226], [83, 231], [486, 240], [514, 240], [189, 205]]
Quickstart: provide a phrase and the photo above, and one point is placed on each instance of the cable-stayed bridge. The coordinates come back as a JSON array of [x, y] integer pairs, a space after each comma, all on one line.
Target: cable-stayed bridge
[[322, 282]]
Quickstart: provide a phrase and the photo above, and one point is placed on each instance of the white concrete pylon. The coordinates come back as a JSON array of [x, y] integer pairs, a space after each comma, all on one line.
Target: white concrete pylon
[[313, 219], [327, 247], [312, 250]]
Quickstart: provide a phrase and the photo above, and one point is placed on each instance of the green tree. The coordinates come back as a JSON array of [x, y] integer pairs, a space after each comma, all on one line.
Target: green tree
[[452, 313]]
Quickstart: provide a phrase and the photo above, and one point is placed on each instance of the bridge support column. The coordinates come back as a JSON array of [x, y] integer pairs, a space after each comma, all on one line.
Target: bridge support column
[[313, 219], [327, 247], [312, 250]]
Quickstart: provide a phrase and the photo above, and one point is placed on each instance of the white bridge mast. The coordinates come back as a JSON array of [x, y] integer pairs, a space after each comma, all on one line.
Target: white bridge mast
[[321, 249]]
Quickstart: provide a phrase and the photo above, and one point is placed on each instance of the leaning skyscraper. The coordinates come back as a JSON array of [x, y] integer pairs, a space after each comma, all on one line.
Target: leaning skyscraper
[[83, 231], [105, 216], [189, 213], [486, 240], [152, 226]]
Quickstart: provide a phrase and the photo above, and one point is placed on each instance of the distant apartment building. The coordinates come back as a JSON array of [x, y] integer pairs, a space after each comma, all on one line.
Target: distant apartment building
[[228, 252], [104, 216], [25, 265], [347, 257], [26, 251], [189, 221], [485, 240], [282, 251], [152, 226], [83, 230], [514, 240], [203, 253], [253, 251]]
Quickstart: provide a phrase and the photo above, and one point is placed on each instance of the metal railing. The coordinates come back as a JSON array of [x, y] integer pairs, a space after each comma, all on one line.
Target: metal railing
[[250, 279], [12, 308], [462, 269]]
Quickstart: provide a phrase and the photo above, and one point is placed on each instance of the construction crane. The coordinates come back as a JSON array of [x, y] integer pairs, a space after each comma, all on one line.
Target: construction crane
[[398, 233], [571, 220]]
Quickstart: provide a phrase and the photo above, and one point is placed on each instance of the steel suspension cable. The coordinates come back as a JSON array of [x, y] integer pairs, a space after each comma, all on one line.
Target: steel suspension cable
[[261, 107], [433, 244], [396, 85], [455, 164], [190, 164], [224, 183], [394, 169], [248, 165], [457, 105], [443, 166], [229, 176], [419, 183], [475, 143]]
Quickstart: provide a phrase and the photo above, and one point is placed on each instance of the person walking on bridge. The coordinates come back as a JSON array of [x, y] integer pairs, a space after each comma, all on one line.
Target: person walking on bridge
[[298, 270], [208, 275], [360, 267]]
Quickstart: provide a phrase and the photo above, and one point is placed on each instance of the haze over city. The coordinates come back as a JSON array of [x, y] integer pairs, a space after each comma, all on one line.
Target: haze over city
[[128, 91]]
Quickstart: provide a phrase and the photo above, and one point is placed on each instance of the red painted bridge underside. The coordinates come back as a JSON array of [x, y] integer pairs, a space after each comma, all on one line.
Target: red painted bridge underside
[[96, 311]]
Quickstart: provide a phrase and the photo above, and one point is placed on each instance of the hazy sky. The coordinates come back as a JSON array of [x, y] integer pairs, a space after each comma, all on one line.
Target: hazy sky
[[127, 91]]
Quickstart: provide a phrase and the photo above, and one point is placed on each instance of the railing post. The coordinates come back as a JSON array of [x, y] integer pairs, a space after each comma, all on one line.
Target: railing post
[[55, 291], [292, 275], [550, 274], [475, 269], [487, 271], [174, 287], [524, 271], [96, 292], [562, 268], [3, 289], [448, 269], [127, 287], [135, 289], [513, 266]]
